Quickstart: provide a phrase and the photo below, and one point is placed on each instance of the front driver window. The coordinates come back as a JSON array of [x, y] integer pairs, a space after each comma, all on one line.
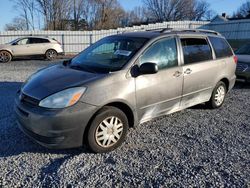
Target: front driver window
[[22, 42], [163, 53]]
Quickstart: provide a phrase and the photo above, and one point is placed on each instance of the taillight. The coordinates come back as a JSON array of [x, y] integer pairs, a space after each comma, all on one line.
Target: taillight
[[235, 59]]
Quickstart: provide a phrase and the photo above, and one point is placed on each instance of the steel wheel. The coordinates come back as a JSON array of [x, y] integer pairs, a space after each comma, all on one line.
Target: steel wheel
[[109, 132], [5, 57], [220, 95], [51, 54]]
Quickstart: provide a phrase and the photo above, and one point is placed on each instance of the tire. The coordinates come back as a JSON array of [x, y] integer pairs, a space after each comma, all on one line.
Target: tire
[[51, 54], [5, 57], [100, 137], [218, 96]]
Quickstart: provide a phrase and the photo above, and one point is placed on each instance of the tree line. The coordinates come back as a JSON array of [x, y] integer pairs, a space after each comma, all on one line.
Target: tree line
[[102, 14]]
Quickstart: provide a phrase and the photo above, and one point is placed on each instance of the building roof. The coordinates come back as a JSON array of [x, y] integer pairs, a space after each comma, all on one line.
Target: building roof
[[219, 18]]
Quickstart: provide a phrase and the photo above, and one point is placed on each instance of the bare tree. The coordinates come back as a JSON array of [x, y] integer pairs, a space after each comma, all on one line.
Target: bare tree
[[107, 14], [28, 11], [17, 24], [55, 12], [243, 11], [136, 16], [168, 10]]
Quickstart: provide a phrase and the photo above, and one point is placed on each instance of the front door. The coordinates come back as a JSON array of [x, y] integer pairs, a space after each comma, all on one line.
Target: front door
[[159, 93], [21, 47]]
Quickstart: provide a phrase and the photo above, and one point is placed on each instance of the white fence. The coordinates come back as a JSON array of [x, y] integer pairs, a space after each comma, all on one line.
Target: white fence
[[76, 41]]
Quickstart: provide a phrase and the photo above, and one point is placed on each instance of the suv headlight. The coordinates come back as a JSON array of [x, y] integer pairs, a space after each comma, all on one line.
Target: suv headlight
[[63, 98]]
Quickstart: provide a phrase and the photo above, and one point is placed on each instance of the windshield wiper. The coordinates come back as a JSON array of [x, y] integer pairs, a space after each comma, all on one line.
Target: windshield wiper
[[84, 68]]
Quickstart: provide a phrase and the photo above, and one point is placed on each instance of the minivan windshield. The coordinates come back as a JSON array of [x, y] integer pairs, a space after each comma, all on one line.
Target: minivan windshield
[[108, 55], [244, 50]]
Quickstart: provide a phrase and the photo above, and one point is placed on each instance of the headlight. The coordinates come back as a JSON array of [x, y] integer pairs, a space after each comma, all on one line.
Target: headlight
[[63, 98]]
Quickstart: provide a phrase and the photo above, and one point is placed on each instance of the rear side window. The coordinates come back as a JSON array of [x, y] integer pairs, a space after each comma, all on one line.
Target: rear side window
[[38, 40], [221, 47], [196, 50]]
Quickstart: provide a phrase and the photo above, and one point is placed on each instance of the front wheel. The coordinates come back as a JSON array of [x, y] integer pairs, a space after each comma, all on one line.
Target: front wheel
[[108, 130], [218, 95], [5, 57], [50, 54]]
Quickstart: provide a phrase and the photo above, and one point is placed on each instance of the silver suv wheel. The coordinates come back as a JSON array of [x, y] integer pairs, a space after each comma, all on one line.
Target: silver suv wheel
[[5, 57], [51, 54]]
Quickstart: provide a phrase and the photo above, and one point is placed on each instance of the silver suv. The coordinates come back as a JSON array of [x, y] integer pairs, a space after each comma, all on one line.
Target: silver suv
[[121, 81], [30, 46]]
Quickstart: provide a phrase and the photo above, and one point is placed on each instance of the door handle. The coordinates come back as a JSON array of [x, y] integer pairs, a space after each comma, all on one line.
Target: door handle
[[177, 74], [188, 71]]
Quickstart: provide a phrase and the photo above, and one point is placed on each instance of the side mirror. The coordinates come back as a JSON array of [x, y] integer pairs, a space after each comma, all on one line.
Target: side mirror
[[148, 68], [66, 62]]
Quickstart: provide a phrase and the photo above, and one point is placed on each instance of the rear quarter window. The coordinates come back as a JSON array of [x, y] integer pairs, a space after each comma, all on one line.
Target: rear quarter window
[[221, 47], [38, 40]]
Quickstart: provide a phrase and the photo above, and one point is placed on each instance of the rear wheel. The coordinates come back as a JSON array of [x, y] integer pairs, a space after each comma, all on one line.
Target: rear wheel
[[218, 95], [50, 54], [5, 57], [108, 130]]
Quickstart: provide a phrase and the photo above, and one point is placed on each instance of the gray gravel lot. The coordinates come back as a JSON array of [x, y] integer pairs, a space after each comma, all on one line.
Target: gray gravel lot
[[194, 147]]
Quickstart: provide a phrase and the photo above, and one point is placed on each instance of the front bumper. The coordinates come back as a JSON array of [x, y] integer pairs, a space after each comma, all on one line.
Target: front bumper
[[58, 129]]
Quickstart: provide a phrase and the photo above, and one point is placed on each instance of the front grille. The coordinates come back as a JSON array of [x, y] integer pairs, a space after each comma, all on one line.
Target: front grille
[[29, 100], [23, 112], [241, 67]]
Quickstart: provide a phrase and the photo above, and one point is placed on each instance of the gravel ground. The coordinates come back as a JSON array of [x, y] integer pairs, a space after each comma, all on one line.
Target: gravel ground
[[194, 147]]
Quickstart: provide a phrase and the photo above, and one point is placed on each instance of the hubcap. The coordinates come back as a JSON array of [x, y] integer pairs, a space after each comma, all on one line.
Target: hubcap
[[4, 57], [220, 95], [109, 132]]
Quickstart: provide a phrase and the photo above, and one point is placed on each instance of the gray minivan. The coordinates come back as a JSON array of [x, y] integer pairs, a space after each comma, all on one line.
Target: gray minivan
[[122, 81]]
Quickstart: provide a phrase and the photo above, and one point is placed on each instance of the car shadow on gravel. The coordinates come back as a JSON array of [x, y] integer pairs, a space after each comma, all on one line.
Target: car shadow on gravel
[[42, 58], [13, 141], [242, 85]]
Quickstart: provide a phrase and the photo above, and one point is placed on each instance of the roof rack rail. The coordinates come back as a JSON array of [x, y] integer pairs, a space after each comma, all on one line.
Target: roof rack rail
[[167, 30], [132, 30], [159, 29], [199, 31]]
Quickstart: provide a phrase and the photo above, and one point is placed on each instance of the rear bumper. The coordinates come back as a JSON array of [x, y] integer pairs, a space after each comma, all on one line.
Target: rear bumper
[[232, 83], [58, 129]]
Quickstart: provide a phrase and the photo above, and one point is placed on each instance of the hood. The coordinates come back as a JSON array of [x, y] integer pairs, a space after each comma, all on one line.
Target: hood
[[54, 79], [244, 58]]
